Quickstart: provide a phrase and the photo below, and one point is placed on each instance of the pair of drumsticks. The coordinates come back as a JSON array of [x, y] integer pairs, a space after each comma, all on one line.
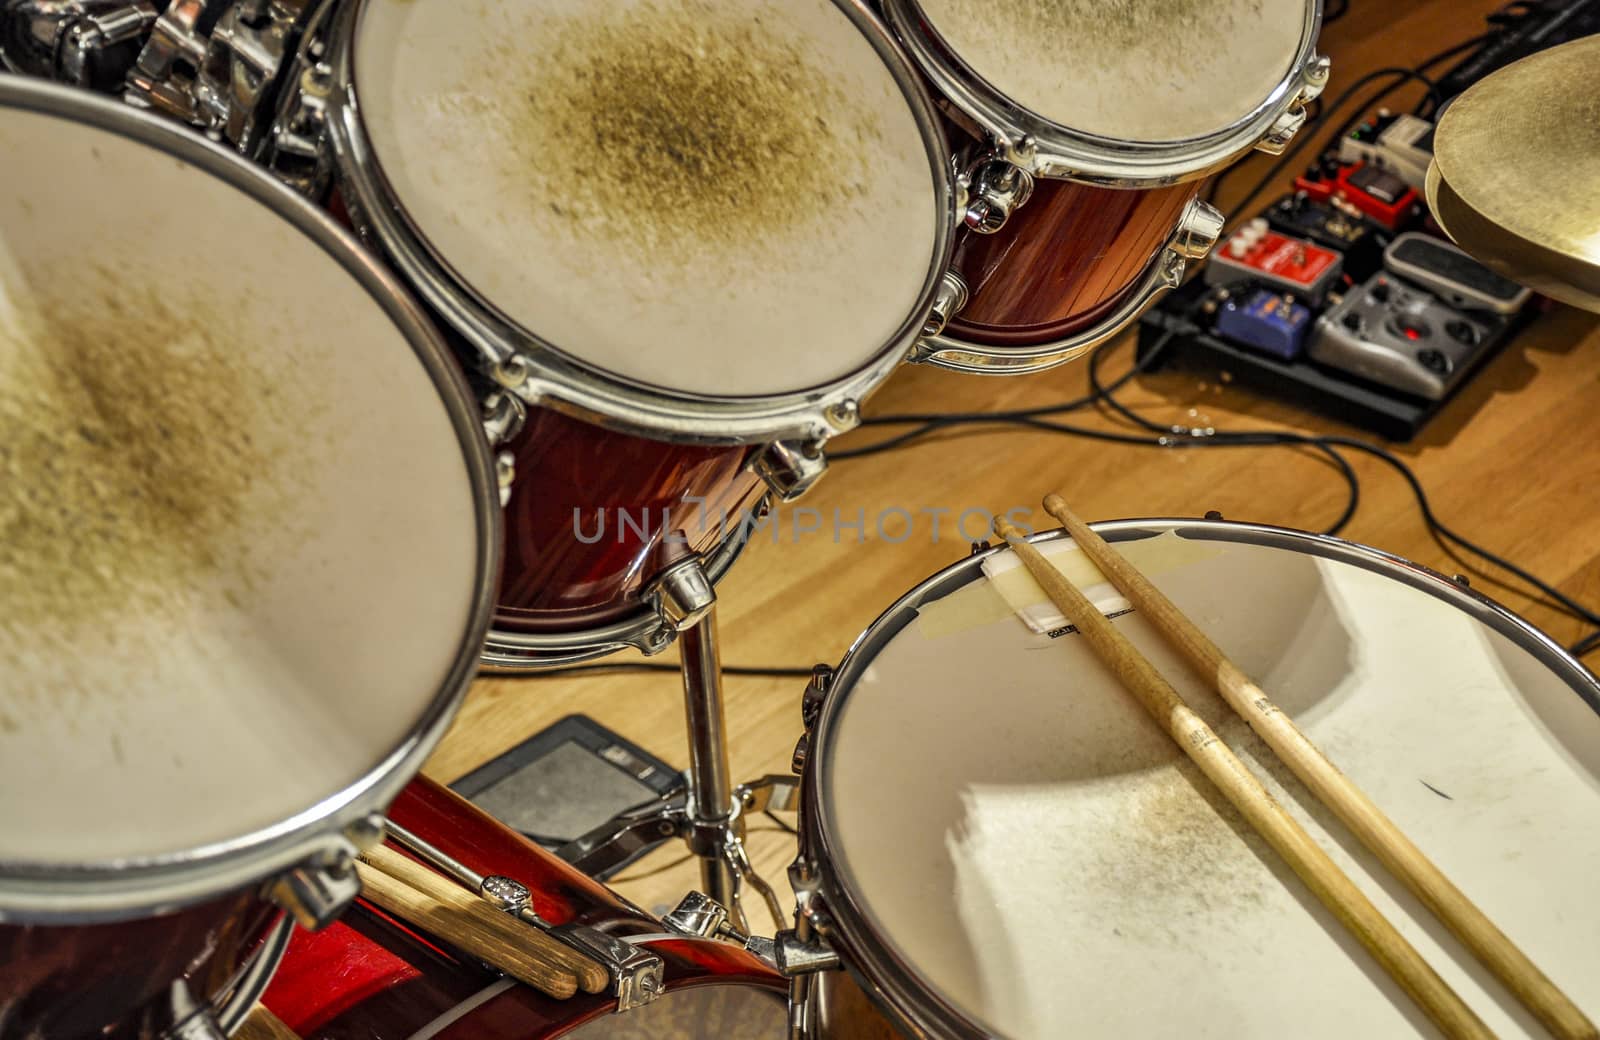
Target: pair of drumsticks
[[434, 904], [1313, 865]]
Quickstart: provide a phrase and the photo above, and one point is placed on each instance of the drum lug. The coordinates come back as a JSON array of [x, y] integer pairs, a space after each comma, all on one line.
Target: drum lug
[[948, 299], [699, 915], [993, 190], [315, 894], [1283, 129], [816, 692], [1198, 230], [790, 468], [503, 416], [683, 594], [795, 956]]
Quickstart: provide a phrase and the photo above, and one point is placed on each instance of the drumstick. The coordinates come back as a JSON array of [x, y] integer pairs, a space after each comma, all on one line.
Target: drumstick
[[1348, 802], [591, 975], [262, 1024], [468, 923], [1320, 874]]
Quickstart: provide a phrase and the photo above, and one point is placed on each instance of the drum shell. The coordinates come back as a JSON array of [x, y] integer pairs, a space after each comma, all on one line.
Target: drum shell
[[1063, 261], [594, 514], [112, 980], [371, 977]]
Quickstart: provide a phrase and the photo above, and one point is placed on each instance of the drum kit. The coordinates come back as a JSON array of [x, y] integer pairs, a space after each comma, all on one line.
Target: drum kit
[[404, 313]]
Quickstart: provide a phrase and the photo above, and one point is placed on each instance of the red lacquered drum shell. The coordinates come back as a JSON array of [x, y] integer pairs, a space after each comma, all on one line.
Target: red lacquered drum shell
[[1063, 261], [591, 513], [370, 977], [113, 980]]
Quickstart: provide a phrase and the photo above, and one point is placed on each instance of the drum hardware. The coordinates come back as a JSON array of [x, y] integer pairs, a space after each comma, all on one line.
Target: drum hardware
[[1197, 231], [790, 468], [87, 43], [315, 894], [951, 297], [225, 80], [221, 1017], [709, 813], [635, 972], [993, 189]]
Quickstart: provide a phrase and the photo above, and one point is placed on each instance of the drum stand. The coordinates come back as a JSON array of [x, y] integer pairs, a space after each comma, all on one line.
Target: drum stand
[[709, 815]]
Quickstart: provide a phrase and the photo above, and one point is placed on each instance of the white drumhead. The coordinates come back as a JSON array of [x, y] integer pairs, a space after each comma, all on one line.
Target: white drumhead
[[1128, 70], [1036, 849], [238, 545], [716, 197]]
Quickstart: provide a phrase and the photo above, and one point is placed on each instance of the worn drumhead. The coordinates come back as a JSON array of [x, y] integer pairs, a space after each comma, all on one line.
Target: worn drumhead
[[239, 549], [712, 196], [1128, 70], [1032, 849]]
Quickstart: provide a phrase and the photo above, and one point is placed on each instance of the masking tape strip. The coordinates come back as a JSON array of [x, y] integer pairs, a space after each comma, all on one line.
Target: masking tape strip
[[1009, 590]]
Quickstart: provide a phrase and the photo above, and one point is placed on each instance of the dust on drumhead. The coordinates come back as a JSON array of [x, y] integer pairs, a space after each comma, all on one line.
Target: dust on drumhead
[[142, 449], [677, 132]]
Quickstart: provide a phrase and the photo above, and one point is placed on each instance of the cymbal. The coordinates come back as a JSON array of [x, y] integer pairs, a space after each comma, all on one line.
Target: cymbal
[[1515, 179]]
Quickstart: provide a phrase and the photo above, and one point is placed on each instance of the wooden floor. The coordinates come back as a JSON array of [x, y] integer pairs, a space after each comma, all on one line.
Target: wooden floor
[[1512, 463]]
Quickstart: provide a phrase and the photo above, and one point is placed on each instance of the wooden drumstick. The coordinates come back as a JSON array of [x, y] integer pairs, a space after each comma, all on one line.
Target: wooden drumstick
[[467, 922], [262, 1024], [1347, 801], [1320, 874], [592, 976]]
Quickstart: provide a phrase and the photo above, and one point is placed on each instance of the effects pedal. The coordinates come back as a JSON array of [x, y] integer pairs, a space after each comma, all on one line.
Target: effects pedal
[[1401, 337], [1273, 323], [1454, 276], [1401, 144], [1348, 234], [1374, 192], [1257, 254]]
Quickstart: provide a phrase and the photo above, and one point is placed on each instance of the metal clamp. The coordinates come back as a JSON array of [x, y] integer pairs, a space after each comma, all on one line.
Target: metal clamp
[[636, 973], [163, 78], [236, 86], [790, 469], [315, 894], [992, 189], [1196, 232], [87, 43]]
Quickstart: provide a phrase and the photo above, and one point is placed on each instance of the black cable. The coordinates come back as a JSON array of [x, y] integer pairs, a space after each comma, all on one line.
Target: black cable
[[1587, 645], [1305, 138]]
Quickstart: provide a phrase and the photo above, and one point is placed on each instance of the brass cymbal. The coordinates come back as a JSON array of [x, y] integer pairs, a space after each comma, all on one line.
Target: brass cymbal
[[1515, 179]]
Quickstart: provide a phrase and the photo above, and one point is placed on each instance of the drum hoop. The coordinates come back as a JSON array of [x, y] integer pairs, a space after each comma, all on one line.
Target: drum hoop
[[547, 376], [890, 980], [509, 652], [81, 893], [1063, 152]]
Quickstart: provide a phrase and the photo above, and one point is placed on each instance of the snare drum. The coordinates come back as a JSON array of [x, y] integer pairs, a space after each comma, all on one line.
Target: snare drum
[[710, 223], [1081, 131], [370, 977], [246, 546], [999, 842]]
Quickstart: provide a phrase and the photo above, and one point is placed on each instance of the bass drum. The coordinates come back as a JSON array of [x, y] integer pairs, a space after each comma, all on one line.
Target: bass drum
[[1027, 854], [1082, 133], [370, 977]]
